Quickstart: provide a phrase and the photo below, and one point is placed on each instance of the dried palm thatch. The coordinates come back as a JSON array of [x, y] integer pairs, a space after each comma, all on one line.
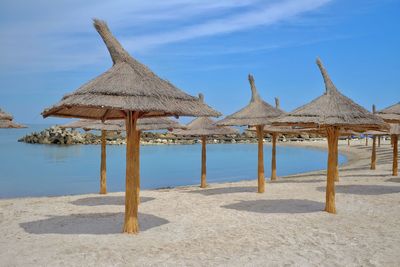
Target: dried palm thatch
[[393, 131], [88, 125], [257, 113], [204, 127], [372, 132], [6, 121], [390, 114], [144, 124], [331, 111], [128, 85], [394, 128], [151, 124], [275, 131], [129, 90]]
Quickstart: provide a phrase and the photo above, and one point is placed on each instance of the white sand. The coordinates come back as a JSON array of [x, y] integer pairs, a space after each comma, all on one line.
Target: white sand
[[224, 225]]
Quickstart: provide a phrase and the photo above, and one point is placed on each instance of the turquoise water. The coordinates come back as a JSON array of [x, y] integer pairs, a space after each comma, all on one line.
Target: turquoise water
[[49, 170]]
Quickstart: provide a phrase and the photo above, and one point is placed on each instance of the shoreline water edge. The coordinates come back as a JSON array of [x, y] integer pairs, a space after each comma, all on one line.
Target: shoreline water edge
[[59, 136]]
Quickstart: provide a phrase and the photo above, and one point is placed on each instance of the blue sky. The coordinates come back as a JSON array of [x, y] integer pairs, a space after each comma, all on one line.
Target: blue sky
[[49, 48]]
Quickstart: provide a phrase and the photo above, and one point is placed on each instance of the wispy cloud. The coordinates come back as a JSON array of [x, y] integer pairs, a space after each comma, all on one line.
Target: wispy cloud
[[259, 16], [57, 35], [233, 50]]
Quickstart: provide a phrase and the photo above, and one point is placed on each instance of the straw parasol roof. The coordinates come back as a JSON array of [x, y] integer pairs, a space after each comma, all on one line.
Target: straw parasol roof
[[331, 109], [150, 124], [394, 129], [6, 121], [372, 132], [144, 124], [391, 114], [204, 126], [257, 112], [128, 90], [88, 125], [127, 85]]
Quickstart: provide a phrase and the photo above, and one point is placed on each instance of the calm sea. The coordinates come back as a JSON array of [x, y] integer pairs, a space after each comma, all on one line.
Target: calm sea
[[49, 170]]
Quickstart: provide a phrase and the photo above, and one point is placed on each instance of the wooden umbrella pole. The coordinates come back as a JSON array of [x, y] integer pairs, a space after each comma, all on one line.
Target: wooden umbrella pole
[[273, 161], [348, 140], [373, 155], [131, 225], [261, 177], [337, 160], [395, 154], [138, 164], [203, 162], [103, 167], [332, 134], [366, 140], [379, 141]]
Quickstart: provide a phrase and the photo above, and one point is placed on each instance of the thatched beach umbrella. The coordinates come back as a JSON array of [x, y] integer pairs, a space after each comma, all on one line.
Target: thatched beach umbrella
[[392, 115], [6, 121], [204, 127], [374, 135], [347, 134], [129, 91], [144, 124], [331, 111], [257, 113], [274, 131]]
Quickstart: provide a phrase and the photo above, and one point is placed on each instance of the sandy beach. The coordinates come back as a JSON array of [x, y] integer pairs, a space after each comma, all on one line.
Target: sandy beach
[[225, 224]]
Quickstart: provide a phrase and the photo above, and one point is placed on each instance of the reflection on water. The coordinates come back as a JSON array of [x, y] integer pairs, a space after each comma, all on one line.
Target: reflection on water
[[43, 170]]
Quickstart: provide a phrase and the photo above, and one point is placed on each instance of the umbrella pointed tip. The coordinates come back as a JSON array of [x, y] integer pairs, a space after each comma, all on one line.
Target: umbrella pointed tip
[[201, 97], [254, 93], [277, 103], [329, 86], [251, 78], [97, 23]]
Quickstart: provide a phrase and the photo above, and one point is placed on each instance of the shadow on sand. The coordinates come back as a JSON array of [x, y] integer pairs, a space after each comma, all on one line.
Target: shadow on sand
[[90, 224], [363, 175], [319, 173], [225, 190], [294, 181], [278, 206], [105, 200], [393, 180], [365, 189]]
